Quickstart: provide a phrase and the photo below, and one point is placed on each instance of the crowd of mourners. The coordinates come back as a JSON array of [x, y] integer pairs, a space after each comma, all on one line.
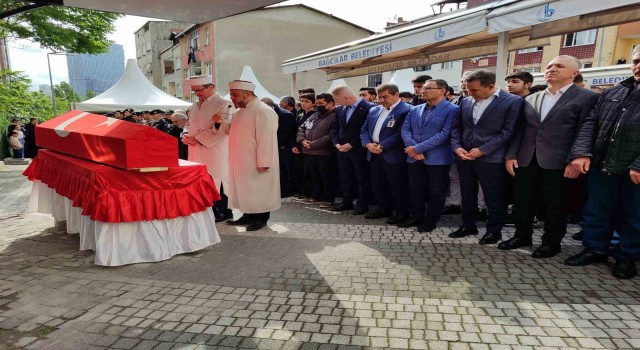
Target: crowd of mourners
[[553, 154], [527, 155]]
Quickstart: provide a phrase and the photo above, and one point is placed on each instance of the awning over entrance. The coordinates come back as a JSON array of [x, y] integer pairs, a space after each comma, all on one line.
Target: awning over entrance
[[534, 12], [392, 46], [491, 29]]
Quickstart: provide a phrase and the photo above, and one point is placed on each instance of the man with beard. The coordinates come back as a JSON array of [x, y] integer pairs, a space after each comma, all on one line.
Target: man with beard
[[208, 141], [254, 173]]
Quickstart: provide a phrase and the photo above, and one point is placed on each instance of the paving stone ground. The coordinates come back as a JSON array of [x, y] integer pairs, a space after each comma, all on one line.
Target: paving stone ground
[[313, 280]]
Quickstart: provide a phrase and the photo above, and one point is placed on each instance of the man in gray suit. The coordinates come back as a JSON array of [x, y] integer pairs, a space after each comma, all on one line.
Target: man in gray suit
[[538, 155]]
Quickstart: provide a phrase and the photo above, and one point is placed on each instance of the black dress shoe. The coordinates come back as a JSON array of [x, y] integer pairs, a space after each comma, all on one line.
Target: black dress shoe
[[491, 238], [224, 217], [256, 225], [546, 251], [452, 210], [411, 222], [587, 257], [426, 227], [625, 268], [244, 220], [396, 219], [515, 242], [464, 232], [378, 214], [342, 207], [578, 236], [360, 211]]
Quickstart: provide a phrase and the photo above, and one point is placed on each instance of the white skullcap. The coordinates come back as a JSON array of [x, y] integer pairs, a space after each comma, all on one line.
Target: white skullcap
[[242, 85], [200, 80]]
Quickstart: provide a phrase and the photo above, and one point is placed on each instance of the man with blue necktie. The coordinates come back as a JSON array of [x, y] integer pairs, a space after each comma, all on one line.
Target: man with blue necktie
[[381, 137], [350, 117], [426, 133]]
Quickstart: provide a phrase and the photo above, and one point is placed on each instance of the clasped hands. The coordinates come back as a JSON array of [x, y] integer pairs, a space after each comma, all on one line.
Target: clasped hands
[[473, 154], [344, 148], [374, 148], [411, 152]]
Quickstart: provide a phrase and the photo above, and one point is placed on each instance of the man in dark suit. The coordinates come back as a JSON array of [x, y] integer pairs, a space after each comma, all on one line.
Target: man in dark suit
[[286, 128], [538, 155], [381, 136], [480, 135], [426, 133], [350, 117]]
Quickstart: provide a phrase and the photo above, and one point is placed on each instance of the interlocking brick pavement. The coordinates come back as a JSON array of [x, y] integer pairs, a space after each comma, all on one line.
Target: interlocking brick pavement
[[313, 280]]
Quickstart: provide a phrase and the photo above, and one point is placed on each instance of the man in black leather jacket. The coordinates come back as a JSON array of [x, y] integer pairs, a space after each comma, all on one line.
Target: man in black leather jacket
[[609, 150]]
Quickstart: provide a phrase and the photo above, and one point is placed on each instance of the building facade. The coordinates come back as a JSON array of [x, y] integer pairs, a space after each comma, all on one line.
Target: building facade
[[97, 73], [598, 47], [151, 39], [261, 39]]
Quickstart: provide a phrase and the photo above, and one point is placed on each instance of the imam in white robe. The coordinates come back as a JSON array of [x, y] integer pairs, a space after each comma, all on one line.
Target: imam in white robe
[[253, 143], [212, 147]]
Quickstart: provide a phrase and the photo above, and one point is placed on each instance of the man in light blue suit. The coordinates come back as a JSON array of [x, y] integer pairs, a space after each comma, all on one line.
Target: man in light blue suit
[[380, 135], [427, 135]]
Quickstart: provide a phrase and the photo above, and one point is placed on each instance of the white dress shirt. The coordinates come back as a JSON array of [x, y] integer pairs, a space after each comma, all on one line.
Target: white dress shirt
[[549, 100], [479, 106], [379, 123]]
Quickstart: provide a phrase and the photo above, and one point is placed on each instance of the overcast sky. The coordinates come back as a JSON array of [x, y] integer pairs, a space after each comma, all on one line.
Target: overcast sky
[[31, 59]]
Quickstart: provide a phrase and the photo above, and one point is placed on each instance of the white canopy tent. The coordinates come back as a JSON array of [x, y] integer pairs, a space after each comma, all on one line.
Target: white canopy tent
[[188, 11], [336, 83], [133, 90], [261, 91]]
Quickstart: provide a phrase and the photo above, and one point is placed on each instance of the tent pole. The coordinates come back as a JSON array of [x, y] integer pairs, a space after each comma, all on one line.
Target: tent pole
[[503, 56], [294, 87]]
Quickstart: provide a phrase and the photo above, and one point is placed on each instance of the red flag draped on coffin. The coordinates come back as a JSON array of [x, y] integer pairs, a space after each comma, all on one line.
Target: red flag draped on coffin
[[108, 141]]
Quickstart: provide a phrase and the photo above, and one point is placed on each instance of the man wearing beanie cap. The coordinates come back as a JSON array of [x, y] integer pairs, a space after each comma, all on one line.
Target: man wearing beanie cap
[[208, 140], [254, 174]]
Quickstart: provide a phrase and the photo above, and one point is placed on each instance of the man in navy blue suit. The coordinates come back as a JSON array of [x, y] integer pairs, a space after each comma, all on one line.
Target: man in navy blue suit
[[479, 138], [426, 133], [350, 117], [381, 137]]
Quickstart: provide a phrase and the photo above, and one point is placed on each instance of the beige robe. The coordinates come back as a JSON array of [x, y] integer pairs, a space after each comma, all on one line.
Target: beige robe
[[212, 149], [253, 143]]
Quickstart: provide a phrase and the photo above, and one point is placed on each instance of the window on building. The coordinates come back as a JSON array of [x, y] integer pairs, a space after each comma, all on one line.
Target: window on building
[[186, 74], [374, 80], [206, 36], [177, 63], [530, 69], [422, 68], [209, 68], [586, 37], [446, 65], [179, 90], [194, 39], [531, 49], [586, 64]]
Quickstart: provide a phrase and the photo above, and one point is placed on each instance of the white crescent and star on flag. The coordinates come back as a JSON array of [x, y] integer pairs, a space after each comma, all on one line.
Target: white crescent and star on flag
[[61, 131]]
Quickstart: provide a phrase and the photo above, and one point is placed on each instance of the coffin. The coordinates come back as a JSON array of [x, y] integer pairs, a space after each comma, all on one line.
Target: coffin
[[108, 141]]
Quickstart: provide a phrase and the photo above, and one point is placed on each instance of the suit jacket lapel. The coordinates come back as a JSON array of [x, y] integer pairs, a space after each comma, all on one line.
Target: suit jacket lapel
[[434, 112], [535, 101], [496, 101], [566, 97]]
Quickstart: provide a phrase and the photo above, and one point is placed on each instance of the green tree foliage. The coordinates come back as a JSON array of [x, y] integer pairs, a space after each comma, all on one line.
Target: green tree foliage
[[90, 94], [16, 100], [60, 28], [65, 91]]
